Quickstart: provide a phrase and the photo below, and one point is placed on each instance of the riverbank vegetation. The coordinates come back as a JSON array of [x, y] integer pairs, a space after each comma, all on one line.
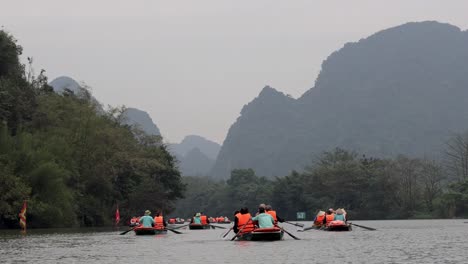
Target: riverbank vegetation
[[72, 161], [369, 188]]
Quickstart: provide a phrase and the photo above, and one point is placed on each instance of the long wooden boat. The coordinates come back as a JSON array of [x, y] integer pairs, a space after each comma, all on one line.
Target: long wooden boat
[[263, 234], [140, 231], [199, 226], [338, 225]]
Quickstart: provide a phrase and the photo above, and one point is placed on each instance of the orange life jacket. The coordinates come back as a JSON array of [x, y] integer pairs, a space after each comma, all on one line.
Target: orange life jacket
[[273, 214], [221, 219], [329, 218], [319, 220], [244, 219], [203, 220], [158, 222]]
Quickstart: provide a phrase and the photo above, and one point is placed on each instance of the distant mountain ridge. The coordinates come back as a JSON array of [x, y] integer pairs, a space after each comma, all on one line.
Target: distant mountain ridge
[[133, 116], [403, 90], [196, 155], [142, 120]]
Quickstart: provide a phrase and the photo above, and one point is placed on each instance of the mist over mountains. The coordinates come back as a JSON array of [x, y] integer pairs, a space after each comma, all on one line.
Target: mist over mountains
[[196, 155], [403, 90]]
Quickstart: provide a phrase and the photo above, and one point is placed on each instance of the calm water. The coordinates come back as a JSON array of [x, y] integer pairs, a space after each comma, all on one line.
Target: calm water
[[413, 241]]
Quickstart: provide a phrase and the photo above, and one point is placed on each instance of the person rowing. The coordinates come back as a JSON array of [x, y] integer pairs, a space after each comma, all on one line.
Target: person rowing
[[273, 214], [329, 216], [243, 221], [160, 222]]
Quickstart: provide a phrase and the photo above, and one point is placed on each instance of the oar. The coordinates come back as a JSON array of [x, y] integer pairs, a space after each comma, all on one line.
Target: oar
[[296, 224], [307, 228], [177, 227], [222, 227], [291, 235], [365, 227], [174, 231], [240, 230], [227, 232], [125, 232]]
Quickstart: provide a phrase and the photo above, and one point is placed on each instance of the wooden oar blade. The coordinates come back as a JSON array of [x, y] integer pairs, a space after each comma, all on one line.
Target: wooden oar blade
[[174, 231], [213, 226], [291, 235], [227, 232], [125, 232], [365, 227]]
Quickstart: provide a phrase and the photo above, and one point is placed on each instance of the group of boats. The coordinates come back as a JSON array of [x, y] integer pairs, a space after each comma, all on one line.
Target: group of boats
[[257, 234]]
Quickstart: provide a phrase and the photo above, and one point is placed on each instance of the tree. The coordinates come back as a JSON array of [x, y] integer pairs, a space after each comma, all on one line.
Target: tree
[[457, 156]]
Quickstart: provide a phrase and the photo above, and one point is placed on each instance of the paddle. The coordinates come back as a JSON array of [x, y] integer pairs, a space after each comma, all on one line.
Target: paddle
[[365, 227], [240, 230], [174, 231], [291, 235], [213, 226], [125, 232], [177, 227], [307, 228], [227, 232], [296, 224]]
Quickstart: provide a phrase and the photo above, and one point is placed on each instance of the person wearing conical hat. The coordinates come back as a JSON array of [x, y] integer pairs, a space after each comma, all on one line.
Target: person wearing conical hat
[[147, 220]]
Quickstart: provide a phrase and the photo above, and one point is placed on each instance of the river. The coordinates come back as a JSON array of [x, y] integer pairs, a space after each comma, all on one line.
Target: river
[[402, 241]]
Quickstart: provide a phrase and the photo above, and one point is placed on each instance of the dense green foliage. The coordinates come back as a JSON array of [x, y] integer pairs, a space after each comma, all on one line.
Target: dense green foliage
[[71, 162], [368, 188]]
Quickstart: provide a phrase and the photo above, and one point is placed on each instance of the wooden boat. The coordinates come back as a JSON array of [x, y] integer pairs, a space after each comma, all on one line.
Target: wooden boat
[[198, 226], [263, 234], [338, 225], [140, 231]]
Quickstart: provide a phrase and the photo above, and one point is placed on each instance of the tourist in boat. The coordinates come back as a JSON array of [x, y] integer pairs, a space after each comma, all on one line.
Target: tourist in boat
[[134, 221], [262, 205], [264, 220], [243, 221], [329, 216], [147, 220], [340, 215], [159, 221], [196, 219], [204, 219], [273, 214], [318, 221]]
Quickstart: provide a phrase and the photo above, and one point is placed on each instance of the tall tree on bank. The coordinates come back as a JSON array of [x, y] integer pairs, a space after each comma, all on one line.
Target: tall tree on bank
[[72, 162]]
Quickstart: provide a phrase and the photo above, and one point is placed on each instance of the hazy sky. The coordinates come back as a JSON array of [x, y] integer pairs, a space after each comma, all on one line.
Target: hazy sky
[[193, 64]]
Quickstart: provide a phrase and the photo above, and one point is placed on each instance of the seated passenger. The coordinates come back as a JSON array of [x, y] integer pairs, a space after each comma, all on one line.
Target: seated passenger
[[340, 215], [147, 220], [264, 220]]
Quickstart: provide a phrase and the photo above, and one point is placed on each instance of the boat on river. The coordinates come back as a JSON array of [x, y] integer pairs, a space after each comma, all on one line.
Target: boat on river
[[198, 226], [140, 231], [337, 225], [263, 234]]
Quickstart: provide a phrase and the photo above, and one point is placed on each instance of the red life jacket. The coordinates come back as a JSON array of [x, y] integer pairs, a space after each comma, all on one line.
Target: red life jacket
[[244, 219]]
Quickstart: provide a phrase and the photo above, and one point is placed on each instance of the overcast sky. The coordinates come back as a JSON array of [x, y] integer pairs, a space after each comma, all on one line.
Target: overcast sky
[[193, 64]]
